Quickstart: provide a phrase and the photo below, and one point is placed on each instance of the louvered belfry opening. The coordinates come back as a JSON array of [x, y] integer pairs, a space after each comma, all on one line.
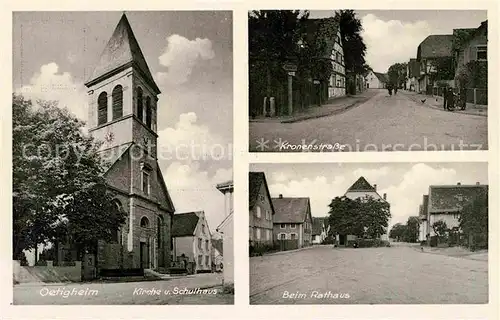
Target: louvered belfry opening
[[102, 108], [117, 102]]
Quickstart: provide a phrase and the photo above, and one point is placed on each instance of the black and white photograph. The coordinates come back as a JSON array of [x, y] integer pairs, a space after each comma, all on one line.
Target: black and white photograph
[[367, 80], [122, 138], [368, 233]]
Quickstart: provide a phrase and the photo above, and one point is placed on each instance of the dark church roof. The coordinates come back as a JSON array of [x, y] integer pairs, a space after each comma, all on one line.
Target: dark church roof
[[361, 185], [121, 50], [184, 224]]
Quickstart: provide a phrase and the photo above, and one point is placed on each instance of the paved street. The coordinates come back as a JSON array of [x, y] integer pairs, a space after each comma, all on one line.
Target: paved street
[[383, 123], [395, 275], [149, 292]]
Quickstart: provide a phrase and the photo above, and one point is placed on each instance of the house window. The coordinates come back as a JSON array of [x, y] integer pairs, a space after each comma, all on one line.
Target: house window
[[206, 245], [268, 214], [257, 212], [148, 112], [262, 198], [482, 53], [140, 107], [200, 260], [292, 226], [144, 222], [282, 236], [206, 261], [293, 236], [200, 241], [102, 108], [283, 226], [117, 96], [257, 233], [145, 182]]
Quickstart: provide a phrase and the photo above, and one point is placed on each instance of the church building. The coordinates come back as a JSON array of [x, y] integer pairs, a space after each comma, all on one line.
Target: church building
[[123, 115]]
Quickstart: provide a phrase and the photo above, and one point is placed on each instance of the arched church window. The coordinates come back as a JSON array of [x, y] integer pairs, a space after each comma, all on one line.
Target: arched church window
[[144, 222], [117, 102], [148, 112], [102, 108], [139, 104]]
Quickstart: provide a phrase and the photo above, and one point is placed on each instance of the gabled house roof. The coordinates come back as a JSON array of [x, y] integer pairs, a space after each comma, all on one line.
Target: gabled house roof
[[435, 46], [184, 224], [444, 199], [255, 181], [121, 50], [290, 210], [382, 77], [317, 225], [361, 185]]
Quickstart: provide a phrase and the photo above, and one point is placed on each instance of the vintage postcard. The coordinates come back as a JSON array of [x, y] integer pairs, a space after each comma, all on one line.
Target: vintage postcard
[[367, 80], [359, 233], [122, 178]]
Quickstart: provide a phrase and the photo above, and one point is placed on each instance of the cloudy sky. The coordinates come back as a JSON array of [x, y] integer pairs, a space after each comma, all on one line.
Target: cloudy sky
[[404, 183], [393, 36], [190, 56]]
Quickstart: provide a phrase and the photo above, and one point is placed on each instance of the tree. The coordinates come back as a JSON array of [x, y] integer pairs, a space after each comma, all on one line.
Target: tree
[[397, 74], [440, 228], [412, 229], [59, 191], [474, 220], [398, 232], [366, 217], [352, 41]]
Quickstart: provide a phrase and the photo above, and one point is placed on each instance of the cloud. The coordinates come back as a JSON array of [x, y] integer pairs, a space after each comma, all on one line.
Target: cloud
[[192, 189], [180, 56], [72, 58], [371, 174], [48, 84], [393, 41], [190, 141], [406, 196]]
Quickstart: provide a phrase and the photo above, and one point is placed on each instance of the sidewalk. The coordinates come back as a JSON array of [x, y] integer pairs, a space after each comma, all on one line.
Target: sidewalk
[[456, 252], [331, 107], [289, 251], [436, 102]]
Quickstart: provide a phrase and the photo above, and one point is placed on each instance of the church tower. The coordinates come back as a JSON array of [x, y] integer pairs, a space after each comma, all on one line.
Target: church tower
[[122, 113]]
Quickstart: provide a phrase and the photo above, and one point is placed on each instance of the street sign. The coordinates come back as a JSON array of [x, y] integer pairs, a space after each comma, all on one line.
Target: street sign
[[291, 73], [290, 67]]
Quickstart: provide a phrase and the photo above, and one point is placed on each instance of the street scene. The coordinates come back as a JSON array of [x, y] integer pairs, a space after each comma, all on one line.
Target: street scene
[[388, 233], [122, 180], [334, 86]]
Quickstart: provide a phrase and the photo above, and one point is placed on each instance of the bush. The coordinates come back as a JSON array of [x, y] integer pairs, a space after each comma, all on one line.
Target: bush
[[228, 289], [328, 240], [256, 249], [423, 243]]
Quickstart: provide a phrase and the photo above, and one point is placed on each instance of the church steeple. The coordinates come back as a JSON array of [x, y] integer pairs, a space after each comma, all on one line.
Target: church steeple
[[122, 51]]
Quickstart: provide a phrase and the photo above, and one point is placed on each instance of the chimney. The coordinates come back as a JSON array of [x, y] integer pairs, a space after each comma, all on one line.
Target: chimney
[[477, 183], [375, 187], [458, 184], [385, 196], [281, 196]]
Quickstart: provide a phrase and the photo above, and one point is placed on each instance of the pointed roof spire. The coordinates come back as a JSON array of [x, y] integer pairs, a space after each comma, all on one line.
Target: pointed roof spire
[[361, 185], [122, 49]]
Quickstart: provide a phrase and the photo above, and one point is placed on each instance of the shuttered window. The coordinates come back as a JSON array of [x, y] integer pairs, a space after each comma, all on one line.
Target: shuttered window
[[102, 108]]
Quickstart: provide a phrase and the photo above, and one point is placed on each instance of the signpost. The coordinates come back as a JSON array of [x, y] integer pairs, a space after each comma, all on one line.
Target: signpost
[[291, 69]]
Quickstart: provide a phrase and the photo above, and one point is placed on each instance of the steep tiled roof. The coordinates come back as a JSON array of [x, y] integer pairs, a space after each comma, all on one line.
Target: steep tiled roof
[[382, 77], [255, 181], [184, 224], [435, 46], [121, 49], [317, 226], [361, 185], [452, 198], [290, 210]]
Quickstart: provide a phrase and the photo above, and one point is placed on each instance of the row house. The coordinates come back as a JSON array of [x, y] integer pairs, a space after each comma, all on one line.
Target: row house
[[429, 51], [261, 210], [473, 46], [293, 220], [445, 203], [375, 80]]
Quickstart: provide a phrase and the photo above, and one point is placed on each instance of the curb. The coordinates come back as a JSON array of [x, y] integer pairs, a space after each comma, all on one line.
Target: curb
[[466, 256], [331, 113]]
